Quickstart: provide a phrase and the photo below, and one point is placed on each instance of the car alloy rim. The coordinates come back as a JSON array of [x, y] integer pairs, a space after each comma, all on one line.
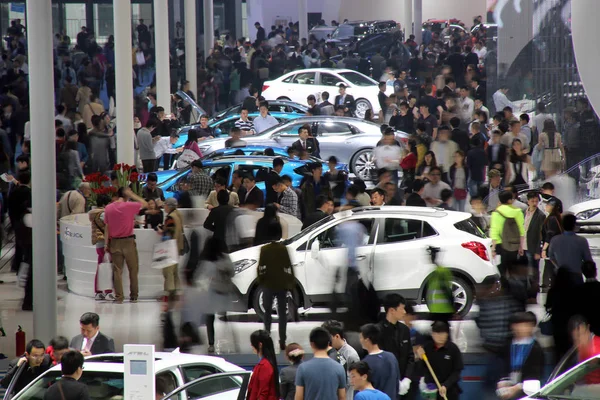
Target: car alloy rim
[[460, 296], [364, 165], [361, 108], [275, 303]]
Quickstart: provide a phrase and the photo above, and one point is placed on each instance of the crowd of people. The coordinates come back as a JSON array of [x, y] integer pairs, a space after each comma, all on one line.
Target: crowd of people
[[465, 151]]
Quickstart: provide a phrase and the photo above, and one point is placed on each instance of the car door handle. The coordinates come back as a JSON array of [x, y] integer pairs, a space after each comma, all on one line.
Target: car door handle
[[361, 257], [299, 264]]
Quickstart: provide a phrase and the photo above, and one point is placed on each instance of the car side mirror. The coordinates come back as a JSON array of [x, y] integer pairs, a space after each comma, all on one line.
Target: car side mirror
[[314, 249], [531, 387], [275, 135]]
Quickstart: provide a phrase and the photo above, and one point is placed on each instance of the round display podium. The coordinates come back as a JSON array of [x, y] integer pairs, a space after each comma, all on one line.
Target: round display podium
[[80, 256]]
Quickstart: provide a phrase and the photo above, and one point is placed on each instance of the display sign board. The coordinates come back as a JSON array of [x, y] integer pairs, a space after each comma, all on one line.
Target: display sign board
[[138, 363]]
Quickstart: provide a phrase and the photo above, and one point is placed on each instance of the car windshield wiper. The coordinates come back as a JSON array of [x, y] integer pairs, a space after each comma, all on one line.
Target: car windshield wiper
[[558, 397]]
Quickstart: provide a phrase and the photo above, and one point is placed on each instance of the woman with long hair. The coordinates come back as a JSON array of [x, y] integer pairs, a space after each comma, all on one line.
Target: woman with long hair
[[552, 226], [553, 150], [428, 163], [294, 354], [192, 142], [369, 115], [409, 165], [518, 165], [459, 176], [269, 217], [264, 382]]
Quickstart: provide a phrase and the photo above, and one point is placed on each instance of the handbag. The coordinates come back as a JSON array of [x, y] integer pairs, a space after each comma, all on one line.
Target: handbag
[[24, 269], [139, 58], [104, 279], [165, 254], [460, 194], [186, 158]]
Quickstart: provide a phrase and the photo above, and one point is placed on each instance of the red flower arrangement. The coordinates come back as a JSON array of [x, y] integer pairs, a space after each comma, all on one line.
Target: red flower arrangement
[[127, 176]]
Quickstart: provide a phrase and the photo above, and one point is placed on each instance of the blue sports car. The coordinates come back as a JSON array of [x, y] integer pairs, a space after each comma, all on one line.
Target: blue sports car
[[222, 126], [259, 166]]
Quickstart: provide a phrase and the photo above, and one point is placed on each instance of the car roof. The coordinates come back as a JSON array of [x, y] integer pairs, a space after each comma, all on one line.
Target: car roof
[[247, 159], [428, 212], [333, 70], [114, 362]]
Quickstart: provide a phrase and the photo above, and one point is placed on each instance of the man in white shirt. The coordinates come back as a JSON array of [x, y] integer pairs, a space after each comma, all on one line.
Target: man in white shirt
[[432, 193], [164, 145], [388, 154], [500, 99], [466, 105], [264, 121], [480, 50], [62, 117]]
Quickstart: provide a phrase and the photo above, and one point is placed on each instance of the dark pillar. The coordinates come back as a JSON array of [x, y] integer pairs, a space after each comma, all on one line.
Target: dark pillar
[[61, 17], [89, 15]]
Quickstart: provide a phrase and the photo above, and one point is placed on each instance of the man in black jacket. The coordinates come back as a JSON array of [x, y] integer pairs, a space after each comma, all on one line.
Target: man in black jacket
[[306, 143], [68, 387], [460, 137], [254, 197], [346, 100], [415, 199], [249, 102], [32, 364], [92, 341], [395, 338], [217, 220], [272, 178], [534, 219], [324, 208]]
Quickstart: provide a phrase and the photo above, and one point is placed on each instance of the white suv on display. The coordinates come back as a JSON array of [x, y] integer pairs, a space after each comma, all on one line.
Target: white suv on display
[[393, 256], [298, 85]]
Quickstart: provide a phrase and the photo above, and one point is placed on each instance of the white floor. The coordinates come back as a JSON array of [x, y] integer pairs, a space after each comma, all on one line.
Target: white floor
[[141, 322]]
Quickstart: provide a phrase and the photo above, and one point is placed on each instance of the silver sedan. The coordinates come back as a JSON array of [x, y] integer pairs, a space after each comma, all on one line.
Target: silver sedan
[[351, 140]]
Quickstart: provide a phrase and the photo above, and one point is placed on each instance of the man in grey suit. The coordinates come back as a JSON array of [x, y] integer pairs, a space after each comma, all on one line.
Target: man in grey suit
[[534, 219], [569, 251], [91, 341]]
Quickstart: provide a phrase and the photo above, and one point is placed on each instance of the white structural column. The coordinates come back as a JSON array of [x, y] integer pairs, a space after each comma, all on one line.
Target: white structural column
[[418, 20], [43, 167], [191, 53], [407, 19], [238, 18], [209, 26], [302, 19], [161, 45], [123, 80]]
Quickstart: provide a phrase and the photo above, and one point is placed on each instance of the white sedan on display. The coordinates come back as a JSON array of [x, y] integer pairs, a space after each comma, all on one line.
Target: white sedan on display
[[298, 85], [103, 374], [393, 256]]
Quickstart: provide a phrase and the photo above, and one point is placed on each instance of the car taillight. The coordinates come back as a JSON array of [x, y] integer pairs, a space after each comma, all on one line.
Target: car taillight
[[265, 87], [477, 248]]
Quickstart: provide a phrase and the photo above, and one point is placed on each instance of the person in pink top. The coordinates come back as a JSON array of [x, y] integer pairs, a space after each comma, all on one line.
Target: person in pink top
[[119, 218]]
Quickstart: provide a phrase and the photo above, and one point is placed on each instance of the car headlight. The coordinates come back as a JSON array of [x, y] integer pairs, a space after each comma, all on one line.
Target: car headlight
[[587, 214], [243, 265]]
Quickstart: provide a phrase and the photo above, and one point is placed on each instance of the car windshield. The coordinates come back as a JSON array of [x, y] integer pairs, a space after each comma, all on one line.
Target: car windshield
[[361, 30], [101, 385], [308, 230], [357, 79], [581, 383]]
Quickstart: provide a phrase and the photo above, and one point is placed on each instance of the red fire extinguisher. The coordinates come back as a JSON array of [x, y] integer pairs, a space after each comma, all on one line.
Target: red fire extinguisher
[[20, 342]]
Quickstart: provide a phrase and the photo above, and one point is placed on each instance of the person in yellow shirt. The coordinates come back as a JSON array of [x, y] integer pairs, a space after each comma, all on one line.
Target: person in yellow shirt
[[507, 231]]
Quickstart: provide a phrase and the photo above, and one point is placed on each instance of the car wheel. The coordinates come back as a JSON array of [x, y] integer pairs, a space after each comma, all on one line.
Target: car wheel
[[463, 295], [363, 165], [259, 308], [284, 98], [362, 106]]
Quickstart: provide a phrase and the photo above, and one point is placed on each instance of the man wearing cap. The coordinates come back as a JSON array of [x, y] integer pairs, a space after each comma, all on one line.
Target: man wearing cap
[[173, 229], [346, 100], [163, 146]]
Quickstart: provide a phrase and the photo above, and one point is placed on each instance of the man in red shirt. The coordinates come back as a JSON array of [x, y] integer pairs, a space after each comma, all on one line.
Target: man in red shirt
[[119, 218], [587, 344]]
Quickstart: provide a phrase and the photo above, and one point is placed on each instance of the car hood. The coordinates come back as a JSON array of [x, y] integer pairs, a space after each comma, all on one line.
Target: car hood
[[584, 206]]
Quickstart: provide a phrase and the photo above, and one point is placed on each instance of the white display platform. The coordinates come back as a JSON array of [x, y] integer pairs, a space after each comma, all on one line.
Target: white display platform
[[81, 258]]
